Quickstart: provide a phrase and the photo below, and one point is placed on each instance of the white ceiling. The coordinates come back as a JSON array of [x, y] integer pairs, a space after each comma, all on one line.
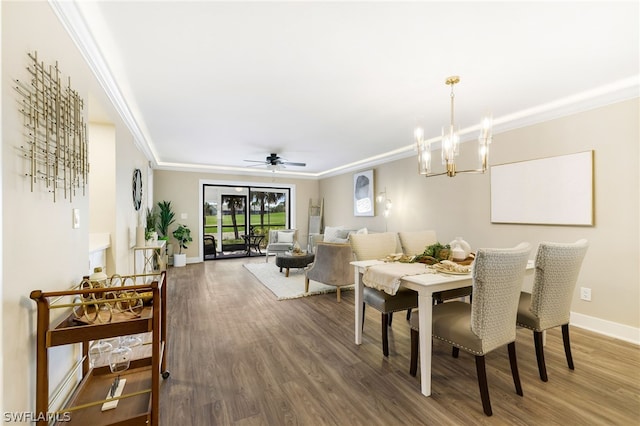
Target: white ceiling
[[205, 85]]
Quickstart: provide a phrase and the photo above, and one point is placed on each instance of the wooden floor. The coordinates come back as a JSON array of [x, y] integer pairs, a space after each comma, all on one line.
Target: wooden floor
[[237, 356]]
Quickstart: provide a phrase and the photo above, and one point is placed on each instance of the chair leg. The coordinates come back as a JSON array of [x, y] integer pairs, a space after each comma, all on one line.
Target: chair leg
[[482, 383], [408, 314], [390, 318], [537, 341], [385, 334], [338, 293], [513, 360], [413, 366], [455, 351], [567, 345], [364, 305], [306, 285]]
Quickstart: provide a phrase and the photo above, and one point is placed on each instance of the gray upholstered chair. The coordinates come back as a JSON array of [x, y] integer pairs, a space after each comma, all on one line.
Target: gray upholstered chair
[[549, 303], [378, 246], [415, 242], [488, 323], [280, 241], [331, 266]]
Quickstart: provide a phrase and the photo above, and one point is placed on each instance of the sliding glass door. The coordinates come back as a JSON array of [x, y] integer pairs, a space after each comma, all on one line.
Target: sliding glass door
[[231, 213]]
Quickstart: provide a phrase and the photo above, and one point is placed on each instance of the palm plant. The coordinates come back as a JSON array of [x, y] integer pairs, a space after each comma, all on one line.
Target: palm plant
[[152, 222], [166, 217]]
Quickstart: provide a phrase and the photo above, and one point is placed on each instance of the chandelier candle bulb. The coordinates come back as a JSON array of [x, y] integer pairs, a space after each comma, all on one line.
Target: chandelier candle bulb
[[450, 143]]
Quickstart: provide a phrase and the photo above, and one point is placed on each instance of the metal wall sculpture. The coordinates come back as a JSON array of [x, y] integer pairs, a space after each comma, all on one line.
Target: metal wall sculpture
[[55, 147]]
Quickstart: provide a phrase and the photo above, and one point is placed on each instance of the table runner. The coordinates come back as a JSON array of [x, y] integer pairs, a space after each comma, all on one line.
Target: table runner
[[387, 276]]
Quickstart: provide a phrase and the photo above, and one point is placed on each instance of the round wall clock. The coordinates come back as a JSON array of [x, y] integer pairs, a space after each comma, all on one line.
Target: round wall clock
[[137, 189]]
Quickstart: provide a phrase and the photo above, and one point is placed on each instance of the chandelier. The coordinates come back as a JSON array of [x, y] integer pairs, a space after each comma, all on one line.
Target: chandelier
[[451, 144]]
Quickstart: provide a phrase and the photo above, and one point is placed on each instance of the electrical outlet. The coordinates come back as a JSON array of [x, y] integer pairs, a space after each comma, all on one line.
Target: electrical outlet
[[585, 294]]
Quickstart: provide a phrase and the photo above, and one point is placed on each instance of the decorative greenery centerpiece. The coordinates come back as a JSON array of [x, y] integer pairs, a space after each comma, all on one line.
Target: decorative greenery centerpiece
[[183, 235], [434, 254]]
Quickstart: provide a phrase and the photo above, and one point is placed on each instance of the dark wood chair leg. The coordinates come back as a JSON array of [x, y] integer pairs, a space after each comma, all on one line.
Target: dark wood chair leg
[[513, 360], [364, 305], [542, 369], [482, 383], [385, 336], [408, 314], [413, 366], [390, 318], [567, 345], [455, 351]]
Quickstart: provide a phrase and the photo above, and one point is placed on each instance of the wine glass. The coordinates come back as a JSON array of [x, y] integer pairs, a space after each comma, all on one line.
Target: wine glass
[[131, 341], [119, 359], [99, 352]]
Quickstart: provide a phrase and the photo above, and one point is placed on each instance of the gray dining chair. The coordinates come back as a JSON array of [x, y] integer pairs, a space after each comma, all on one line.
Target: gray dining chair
[[549, 304], [487, 323], [378, 246]]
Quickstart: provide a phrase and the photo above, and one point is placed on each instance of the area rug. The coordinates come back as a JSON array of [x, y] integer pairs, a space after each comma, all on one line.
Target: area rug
[[291, 287]]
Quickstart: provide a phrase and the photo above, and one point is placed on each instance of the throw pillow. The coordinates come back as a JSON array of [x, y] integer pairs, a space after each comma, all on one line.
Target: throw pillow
[[285, 237], [332, 234], [362, 231]]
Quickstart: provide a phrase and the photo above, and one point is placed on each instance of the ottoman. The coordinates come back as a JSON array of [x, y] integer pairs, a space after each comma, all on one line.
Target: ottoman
[[293, 261]]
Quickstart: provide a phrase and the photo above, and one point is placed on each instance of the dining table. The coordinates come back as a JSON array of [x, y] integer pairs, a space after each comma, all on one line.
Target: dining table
[[425, 284]]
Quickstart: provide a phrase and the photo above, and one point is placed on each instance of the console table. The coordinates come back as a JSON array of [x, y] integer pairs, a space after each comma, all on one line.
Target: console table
[[151, 258]]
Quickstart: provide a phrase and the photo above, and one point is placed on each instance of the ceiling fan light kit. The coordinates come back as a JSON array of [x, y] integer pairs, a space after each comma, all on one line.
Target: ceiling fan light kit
[[274, 162], [450, 139]]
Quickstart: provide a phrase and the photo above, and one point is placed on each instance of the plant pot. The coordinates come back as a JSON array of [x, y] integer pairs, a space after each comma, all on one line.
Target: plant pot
[[179, 259]]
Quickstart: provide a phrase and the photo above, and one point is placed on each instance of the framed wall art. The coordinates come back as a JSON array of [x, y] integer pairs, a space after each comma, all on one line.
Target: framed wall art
[[363, 204], [547, 191]]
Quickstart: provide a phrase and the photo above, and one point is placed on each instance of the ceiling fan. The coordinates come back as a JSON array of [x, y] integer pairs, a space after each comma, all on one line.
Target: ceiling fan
[[275, 162]]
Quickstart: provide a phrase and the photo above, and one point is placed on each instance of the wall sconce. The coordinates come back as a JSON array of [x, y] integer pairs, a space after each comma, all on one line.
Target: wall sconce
[[382, 198]]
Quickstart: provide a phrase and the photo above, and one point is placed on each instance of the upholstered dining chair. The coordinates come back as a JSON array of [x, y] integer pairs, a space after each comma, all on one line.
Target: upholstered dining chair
[[378, 246], [415, 242], [549, 304], [487, 323], [331, 266]]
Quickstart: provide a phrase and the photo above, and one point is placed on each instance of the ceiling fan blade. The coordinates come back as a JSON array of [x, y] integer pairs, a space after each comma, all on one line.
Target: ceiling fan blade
[[289, 163], [255, 161]]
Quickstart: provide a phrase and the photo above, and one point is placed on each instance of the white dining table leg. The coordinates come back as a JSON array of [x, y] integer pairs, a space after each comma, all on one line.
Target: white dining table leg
[[425, 311], [359, 289]]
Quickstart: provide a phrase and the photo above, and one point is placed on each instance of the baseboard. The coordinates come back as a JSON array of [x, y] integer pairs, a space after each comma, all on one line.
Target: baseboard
[[608, 328]]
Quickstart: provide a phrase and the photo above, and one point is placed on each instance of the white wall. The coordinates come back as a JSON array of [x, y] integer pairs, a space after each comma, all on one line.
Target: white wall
[[460, 206], [40, 248]]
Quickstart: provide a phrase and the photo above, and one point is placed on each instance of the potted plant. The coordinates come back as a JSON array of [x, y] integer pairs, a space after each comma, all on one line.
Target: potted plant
[[152, 224], [166, 217], [183, 235]]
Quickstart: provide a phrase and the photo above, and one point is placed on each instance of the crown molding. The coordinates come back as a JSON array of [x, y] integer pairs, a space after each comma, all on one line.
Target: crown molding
[[74, 23]]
